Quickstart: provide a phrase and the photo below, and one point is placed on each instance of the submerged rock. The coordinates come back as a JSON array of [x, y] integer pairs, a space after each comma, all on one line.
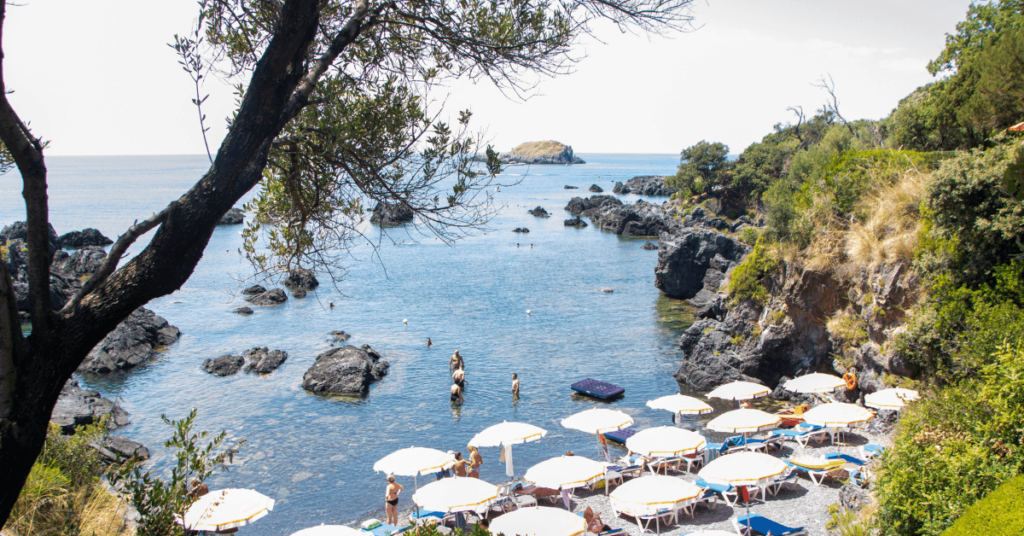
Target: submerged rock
[[233, 216], [271, 297], [568, 187], [301, 278], [133, 342], [253, 290], [596, 189], [340, 336], [347, 370], [520, 230], [264, 360], [85, 237], [649, 246], [575, 222], [244, 311], [79, 407], [225, 365], [299, 293], [540, 212]]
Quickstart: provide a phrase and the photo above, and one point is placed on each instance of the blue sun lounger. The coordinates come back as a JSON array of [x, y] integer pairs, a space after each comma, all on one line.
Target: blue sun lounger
[[387, 530], [597, 389], [763, 525]]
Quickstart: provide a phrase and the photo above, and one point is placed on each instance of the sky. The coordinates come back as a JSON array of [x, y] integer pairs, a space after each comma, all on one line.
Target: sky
[[97, 77]]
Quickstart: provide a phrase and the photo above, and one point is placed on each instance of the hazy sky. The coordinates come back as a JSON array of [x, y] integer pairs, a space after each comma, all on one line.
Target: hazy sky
[[97, 77]]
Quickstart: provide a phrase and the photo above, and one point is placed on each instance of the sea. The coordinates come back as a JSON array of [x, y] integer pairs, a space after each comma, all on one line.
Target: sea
[[525, 303]]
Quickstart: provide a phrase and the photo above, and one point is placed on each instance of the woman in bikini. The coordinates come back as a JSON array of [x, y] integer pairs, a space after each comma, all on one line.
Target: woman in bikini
[[475, 461], [391, 500]]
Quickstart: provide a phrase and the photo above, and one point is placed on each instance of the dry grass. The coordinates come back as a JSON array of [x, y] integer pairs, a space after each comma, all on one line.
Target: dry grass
[[889, 232], [848, 328], [104, 515], [532, 149]]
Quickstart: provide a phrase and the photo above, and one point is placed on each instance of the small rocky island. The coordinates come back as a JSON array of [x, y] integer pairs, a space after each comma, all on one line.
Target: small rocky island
[[538, 152]]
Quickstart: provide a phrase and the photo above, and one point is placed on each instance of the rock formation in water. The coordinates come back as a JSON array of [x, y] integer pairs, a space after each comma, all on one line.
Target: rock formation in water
[[540, 212], [596, 189], [79, 407], [538, 152], [301, 278], [133, 342], [85, 237], [263, 360], [391, 215], [345, 371], [271, 297], [233, 216], [224, 365], [650, 185]]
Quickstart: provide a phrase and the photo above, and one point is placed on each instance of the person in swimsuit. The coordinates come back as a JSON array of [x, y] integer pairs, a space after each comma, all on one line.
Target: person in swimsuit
[[475, 461], [456, 395], [460, 465], [455, 362], [391, 500], [459, 377], [429, 344], [515, 385], [593, 521]]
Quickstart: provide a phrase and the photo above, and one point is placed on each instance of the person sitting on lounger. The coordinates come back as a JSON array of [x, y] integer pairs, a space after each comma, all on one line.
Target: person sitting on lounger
[[456, 393], [594, 523]]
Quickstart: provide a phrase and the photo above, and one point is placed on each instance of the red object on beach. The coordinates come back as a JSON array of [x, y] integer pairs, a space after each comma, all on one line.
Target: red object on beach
[[745, 494]]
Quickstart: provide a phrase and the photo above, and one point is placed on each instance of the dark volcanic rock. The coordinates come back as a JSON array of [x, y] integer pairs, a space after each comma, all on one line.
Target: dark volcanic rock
[[540, 212], [649, 246], [84, 261], [695, 259], [709, 304], [520, 230], [575, 221], [233, 216], [244, 311], [264, 361], [133, 342], [224, 365], [301, 278], [567, 187], [346, 370], [271, 297], [78, 407], [19, 231], [596, 189], [113, 448], [85, 237], [641, 219], [299, 293], [253, 290], [340, 336], [853, 497], [620, 188], [581, 206], [388, 215], [650, 185]]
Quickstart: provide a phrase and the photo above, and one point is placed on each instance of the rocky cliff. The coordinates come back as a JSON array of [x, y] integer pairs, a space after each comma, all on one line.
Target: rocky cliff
[[541, 152]]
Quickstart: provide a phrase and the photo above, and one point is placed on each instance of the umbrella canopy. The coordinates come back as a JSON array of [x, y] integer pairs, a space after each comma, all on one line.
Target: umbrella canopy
[[895, 399], [226, 509], [456, 495], [741, 421], [414, 461], [565, 472], [539, 521], [743, 469], [711, 532], [665, 441], [507, 433], [837, 414], [682, 404], [598, 421], [815, 383], [739, 391], [329, 530], [651, 494]]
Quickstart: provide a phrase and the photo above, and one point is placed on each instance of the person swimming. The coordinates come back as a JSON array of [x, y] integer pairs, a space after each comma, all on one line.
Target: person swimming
[[429, 343]]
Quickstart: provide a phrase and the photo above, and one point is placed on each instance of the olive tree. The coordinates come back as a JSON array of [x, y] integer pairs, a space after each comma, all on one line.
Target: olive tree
[[332, 116]]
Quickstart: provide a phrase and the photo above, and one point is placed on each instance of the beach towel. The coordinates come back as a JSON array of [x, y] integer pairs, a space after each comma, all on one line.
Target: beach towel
[[506, 458]]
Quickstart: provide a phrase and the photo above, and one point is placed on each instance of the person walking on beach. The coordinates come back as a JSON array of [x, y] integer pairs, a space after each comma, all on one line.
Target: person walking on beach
[[515, 385], [475, 461], [455, 362], [391, 500]]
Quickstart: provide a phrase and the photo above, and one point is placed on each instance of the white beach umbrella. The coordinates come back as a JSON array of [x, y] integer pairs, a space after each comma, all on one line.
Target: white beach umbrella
[[894, 399], [665, 441], [505, 435], [329, 530], [681, 404], [226, 509], [456, 495], [414, 461], [742, 421], [597, 421], [837, 415], [743, 469], [815, 383], [651, 494], [539, 521], [565, 472], [739, 391]]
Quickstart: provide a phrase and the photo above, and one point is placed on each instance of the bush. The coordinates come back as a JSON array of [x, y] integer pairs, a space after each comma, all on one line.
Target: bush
[[746, 282], [1001, 513], [954, 448]]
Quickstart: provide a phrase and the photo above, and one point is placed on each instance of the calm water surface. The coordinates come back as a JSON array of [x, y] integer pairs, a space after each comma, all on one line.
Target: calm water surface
[[314, 454]]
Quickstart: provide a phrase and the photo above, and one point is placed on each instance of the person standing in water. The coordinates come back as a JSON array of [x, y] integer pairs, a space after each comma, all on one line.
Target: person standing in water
[[515, 385], [391, 500], [455, 362], [459, 377], [456, 395], [429, 344]]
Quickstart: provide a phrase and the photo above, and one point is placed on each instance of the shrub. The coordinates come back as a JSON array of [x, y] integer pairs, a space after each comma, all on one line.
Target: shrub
[[749, 236], [746, 280], [848, 328], [1000, 513]]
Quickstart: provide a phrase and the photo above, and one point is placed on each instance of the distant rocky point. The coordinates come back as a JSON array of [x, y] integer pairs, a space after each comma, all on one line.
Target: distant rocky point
[[538, 152]]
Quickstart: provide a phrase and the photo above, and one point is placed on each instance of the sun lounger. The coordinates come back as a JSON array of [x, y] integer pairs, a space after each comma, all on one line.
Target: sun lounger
[[690, 460], [870, 451], [789, 477], [387, 530], [817, 471], [741, 443], [802, 435], [708, 497], [728, 493], [656, 518], [420, 517], [762, 525]]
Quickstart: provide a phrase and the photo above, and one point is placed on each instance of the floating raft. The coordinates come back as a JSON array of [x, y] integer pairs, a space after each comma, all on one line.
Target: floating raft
[[597, 389], [620, 436]]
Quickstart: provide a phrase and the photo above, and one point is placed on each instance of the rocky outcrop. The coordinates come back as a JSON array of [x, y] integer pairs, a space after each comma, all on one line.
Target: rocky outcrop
[[520, 230], [85, 237], [339, 336], [253, 290], [575, 221], [271, 297], [568, 187], [640, 219], [78, 264], [540, 152], [264, 360], [346, 371], [19, 231], [695, 259], [587, 206], [79, 407], [225, 365], [388, 215], [299, 293], [540, 212], [596, 189], [649, 246], [650, 185], [233, 216], [244, 311], [133, 342], [117, 448], [301, 278]]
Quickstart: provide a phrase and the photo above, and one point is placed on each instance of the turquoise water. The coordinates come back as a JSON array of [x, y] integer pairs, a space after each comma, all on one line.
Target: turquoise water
[[313, 454]]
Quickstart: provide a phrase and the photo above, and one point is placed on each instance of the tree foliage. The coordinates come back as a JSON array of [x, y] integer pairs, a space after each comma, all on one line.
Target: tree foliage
[[702, 167]]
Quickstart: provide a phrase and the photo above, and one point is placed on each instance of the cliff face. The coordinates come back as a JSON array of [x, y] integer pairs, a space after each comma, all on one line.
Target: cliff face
[[541, 152]]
